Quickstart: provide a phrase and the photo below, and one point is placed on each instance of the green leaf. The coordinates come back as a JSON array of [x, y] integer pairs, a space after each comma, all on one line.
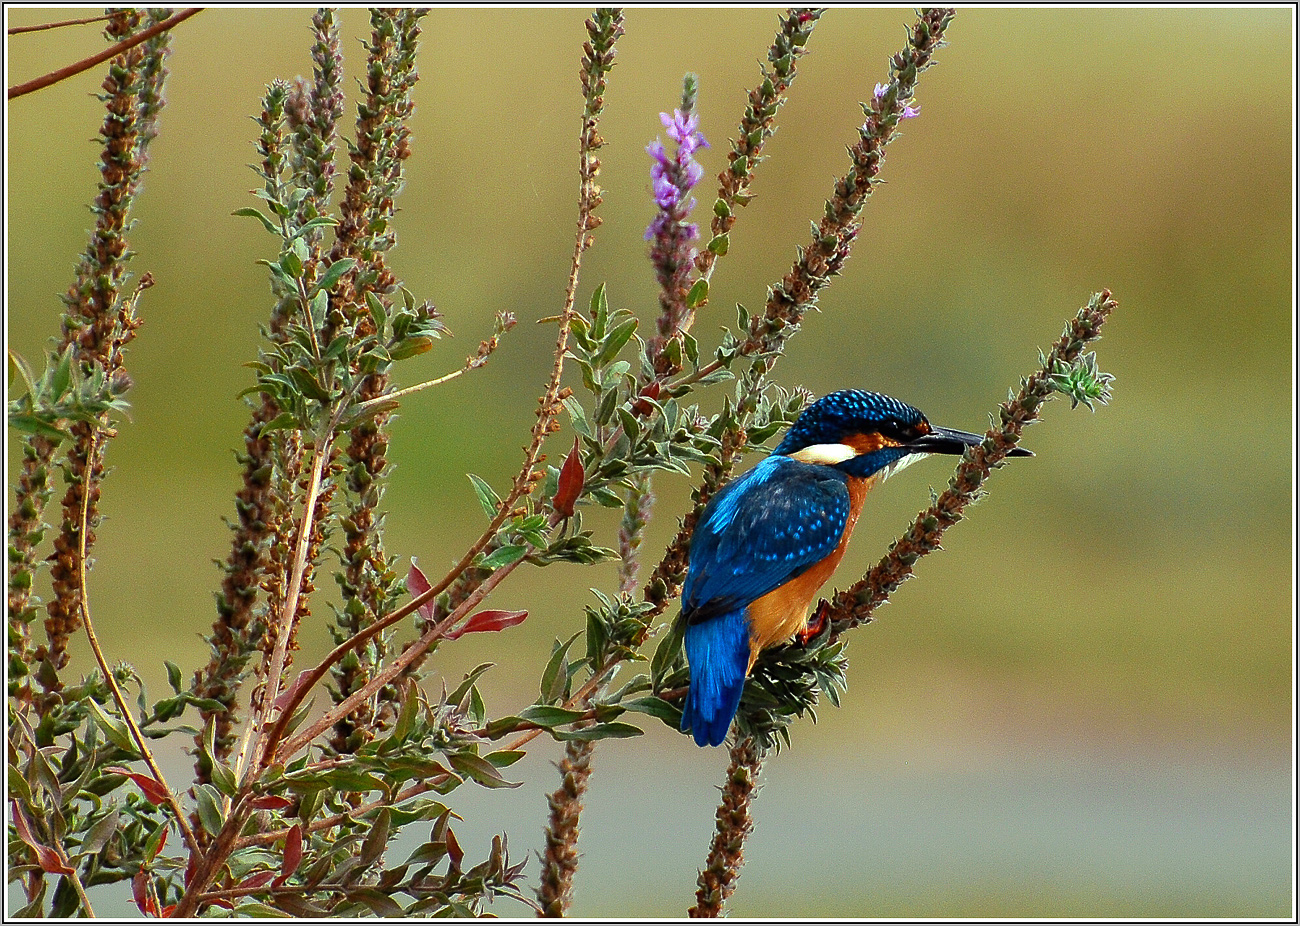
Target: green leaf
[[464, 687], [489, 499], [599, 312], [377, 312], [655, 707], [481, 770], [621, 334], [377, 839], [600, 731], [719, 245], [155, 842], [252, 213], [173, 675], [379, 903], [405, 720], [209, 801], [259, 910], [667, 651], [547, 716], [578, 417], [62, 374], [99, 833], [555, 678], [318, 222], [504, 758], [699, 292], [33, 424], [114, 729], [18, 367], [410, 347], [291, 264], [503, 556], [334, 273], [224, 779]]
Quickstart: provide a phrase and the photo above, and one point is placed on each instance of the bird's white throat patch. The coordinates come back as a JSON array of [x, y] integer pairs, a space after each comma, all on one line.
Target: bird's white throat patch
[[830, 454], [825, 454]]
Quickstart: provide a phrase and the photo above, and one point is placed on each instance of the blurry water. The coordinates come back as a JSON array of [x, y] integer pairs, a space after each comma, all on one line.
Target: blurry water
[[891, 835]]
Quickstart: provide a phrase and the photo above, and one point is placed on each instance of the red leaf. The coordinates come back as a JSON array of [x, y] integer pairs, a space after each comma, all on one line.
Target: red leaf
[[153, 790], [641, 406], [140, 890], [292, 854], [571, 478], [417, 585], [161, 843], [260, 879], [272, 802], [49, 860], [289, 694], [485, 621], [454, 850], [168, 910]]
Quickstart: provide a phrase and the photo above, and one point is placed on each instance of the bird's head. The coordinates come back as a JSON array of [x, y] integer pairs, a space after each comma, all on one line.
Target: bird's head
[[867, 434]]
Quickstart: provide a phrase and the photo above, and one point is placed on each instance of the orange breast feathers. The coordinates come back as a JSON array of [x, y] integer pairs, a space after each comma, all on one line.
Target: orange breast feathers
[[783, 612]]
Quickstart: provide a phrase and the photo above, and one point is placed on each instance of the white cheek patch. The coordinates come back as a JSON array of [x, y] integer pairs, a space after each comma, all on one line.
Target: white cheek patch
[[825, 454], [900, 464]]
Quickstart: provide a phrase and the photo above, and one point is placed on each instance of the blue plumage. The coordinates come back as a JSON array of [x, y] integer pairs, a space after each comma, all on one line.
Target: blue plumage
[[759, 532], [721, 644]]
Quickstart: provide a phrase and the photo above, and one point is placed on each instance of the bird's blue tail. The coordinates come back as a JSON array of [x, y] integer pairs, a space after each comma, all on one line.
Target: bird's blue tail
[[718, 652]]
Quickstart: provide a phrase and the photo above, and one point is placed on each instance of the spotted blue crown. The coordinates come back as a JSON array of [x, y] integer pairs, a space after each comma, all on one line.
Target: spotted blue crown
[[849, 411]]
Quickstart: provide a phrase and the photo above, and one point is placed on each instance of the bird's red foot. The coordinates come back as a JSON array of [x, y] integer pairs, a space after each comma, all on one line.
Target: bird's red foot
[[816, 624]]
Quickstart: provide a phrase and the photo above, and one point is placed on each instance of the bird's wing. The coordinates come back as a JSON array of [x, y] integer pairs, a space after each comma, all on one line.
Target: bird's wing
[[761, 531]]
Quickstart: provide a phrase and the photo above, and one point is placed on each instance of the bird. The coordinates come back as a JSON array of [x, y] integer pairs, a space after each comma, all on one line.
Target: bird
[[768, 540]]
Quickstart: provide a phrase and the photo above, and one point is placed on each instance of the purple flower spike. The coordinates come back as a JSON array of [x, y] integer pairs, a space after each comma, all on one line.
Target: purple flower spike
[[672, 237], [673, 176], [909, 111]]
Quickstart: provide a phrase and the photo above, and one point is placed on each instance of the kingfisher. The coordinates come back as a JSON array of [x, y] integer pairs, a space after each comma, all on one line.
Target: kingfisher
[[769, 539]]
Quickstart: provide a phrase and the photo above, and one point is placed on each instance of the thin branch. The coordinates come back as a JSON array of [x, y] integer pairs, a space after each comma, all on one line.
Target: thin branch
[[383, 400], [136, 733], [81, 892], [412, 652], [271, 685], [40, 83], [19, 30]]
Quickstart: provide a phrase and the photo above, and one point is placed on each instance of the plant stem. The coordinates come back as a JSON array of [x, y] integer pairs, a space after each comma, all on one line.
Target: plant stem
[[271, 685], [136, 733], [717, 882], [19, 30]]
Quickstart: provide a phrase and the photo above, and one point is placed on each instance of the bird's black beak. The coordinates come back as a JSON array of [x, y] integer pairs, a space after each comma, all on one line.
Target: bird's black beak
[[950, 440]]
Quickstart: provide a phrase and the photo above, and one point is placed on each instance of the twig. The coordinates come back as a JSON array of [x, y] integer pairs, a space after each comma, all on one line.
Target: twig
[[136, 733], [271, 685], [81, 891], [266, 839], [361, 407], [19, 30], [412, 652], [86, 64]]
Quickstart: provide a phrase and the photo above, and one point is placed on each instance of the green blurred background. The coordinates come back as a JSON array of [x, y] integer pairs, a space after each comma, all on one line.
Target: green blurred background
[[1083, 707]]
